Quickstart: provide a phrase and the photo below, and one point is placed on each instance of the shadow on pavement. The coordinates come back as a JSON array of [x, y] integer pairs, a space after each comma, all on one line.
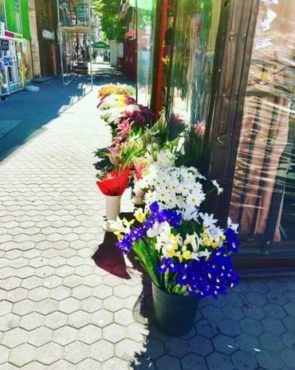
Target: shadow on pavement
[[109, 258]]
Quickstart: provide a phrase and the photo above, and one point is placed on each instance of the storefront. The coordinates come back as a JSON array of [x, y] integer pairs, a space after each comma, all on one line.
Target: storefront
[[14, 46], [13, 63], [227, 70]]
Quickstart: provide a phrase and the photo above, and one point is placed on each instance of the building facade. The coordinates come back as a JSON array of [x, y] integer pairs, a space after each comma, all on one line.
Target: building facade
[[43, 25], [15, 50]]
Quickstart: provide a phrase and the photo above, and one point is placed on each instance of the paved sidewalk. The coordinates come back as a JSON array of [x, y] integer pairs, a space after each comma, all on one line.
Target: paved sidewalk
[[62, 309]]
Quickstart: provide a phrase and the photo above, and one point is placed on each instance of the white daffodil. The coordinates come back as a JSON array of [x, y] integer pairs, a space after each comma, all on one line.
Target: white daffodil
[[208, 220], [217, 186], [192, 240], [206, 253], [189, 213], [159, 228], [232, 226]]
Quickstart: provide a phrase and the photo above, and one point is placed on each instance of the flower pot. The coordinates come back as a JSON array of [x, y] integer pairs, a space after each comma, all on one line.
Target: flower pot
[[113, 204], [174, 315]]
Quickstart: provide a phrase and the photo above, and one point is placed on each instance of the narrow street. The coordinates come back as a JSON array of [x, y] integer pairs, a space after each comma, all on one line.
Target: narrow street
[[68, 301]]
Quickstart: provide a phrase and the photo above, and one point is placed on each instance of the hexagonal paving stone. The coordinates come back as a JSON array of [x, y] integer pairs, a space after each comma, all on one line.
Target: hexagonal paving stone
[[168, 362], [289, 339], [89, 334], [9, 321], [212, 314], [56, 320], [102, 350], [69, 305], [206, 328], [65, 335], [94, 281], [270, 360], [248, 342], [274, 311], [14, 337], [79, 319], [53, 282], [38, 294], [102, 291], [87, 364], [192, 361], [273, 325], [115, 363], [32, 321], [46, 306], [114, 333], [229, 327], [288, 356], [22, 355], [5, 307], [82, 292], [252, 327], [76, 352], [16, 295], [127, 349], [219, 361], [4, 352], [60, 293], [243, 361], [177, 347], [49, 353], [91, 304], [40, 336], [233, 312], [225, 344], [113, 304], [253, 311], [200, 345], [124, 317], [32, 282], [271, 342], [290, 308], [102, 318], [73, 281]]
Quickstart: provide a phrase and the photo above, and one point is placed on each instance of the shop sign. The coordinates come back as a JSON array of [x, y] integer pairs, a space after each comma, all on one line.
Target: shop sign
[[82, 12], [48, 35]]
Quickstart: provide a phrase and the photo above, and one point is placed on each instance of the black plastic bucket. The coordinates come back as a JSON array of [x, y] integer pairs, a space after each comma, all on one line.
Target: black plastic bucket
[[174, 314]]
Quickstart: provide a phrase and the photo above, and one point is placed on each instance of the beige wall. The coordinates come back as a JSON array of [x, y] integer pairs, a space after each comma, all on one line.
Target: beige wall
[[34, 39]]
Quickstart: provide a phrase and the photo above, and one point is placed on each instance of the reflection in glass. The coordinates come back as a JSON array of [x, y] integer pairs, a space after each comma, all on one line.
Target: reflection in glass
[[263, 197], [195, 36], [146, 16]]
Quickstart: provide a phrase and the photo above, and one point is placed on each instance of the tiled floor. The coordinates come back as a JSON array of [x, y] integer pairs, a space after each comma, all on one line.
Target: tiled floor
[[62, 309]]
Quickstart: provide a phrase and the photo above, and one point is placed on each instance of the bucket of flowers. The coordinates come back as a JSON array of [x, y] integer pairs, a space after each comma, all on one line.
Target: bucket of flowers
[[114, 173], [113, 184], [183, 250]]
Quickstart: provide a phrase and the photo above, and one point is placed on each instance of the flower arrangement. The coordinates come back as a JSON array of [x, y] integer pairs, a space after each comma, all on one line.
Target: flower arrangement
[[182, 249], [119, 110]]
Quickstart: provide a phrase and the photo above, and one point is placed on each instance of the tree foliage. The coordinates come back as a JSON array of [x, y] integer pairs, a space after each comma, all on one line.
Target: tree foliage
[[111, 24]]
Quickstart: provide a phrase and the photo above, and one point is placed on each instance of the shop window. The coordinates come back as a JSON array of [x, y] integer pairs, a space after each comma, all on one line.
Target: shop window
[[263, 195], [192, 62]]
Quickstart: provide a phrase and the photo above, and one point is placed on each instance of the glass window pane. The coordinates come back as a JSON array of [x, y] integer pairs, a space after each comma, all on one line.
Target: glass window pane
[[263, 197], [146, 17], [195, 36]]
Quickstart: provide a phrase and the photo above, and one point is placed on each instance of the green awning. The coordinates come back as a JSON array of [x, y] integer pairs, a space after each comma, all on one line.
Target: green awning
[[100, 45]]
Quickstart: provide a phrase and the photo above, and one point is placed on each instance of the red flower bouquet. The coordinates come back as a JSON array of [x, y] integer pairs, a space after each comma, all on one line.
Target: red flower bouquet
[[114, 183]]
